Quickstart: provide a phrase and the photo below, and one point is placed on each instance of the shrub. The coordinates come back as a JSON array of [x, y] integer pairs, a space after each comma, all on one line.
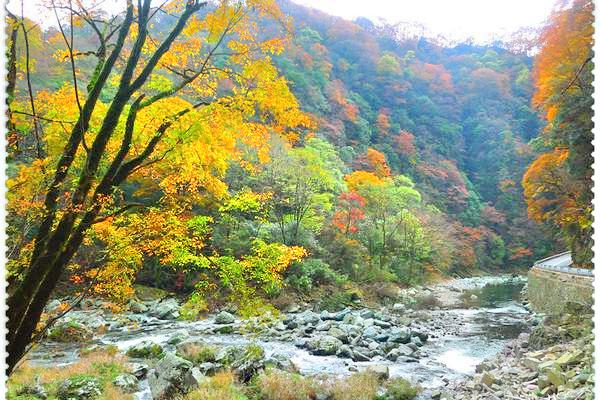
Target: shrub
[[401, 389], [222, 386], [278, 385], [426, 302], [359, 386], [197, 352], [313, 272]]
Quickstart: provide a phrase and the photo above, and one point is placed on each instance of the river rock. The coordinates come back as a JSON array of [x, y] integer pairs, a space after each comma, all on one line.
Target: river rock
[[399, 308], [245, 361], [137, 307], [69, 332], [371, 332], [401, 350], [128, 383], [224, 318], [324, 345], [382, 372], [166, 309], [399, 335], [345, 352], [339, 334], [358, 355], [79, 388], [170, 378], [139, 370], [52, 305], [179, 336]]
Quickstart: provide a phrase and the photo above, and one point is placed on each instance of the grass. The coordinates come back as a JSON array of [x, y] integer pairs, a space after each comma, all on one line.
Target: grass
[[401, 389], [278, 385], [197, 352], [100, 365], [427, 302], [222, 386], [358, 386]]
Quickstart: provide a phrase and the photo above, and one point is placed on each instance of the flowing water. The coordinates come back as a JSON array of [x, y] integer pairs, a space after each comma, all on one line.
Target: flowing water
[[475, 332]]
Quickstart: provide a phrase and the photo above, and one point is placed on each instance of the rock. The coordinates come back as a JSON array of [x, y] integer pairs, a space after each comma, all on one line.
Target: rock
[[488, 379], [166, 309], [399, 335], [139, 370], [324, 345], [345, 352], [359, 356], [371, 332], [137, 307], [420, 334], [224, 318], [35, 390], [245, 361], [416, 341], [293, 308], [69, 332], [570, 358], [170, 377], [194, 378], [382, 372], [179, 336], [282, 363], [323, 326], [339, 334], [79, 388], [367, 314], [52, 305], [224, 329], [145, 349], [399, 308], [556, 377], [400, 351], [128, 383]]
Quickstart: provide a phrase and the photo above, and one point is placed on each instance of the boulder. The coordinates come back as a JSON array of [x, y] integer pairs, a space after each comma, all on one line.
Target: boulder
[[324, 346], [137, 307], [339, 334], [128, 383], [224, 318], [79, 388], [399, 335], [400, 351], [245, 361], [487, 378], [171, 377], [382, 372], [69, 332], [399, 308], [166, 309], [345, 352], [139, 370], [179, 336]]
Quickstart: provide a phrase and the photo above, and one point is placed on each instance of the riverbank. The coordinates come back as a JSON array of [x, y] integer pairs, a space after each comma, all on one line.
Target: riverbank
[[429, 338]]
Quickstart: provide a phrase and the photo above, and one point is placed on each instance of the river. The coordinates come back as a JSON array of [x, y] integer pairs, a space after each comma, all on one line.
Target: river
[[473, 331]]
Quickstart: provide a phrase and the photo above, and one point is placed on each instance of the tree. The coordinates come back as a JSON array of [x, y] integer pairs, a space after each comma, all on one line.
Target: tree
[[145, 107], [558, 184]]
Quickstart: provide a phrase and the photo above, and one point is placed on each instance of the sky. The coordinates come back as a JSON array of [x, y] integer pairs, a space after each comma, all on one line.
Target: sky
[[454, 19]]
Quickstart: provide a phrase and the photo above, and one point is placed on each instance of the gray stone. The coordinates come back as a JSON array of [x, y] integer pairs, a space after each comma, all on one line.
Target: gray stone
[[179, 336], [79, 388], [401, 350], [170, 377], [371, 332], [324, 345], [137, 307], [224, 318], [139, 370], [399, 335], [145, 349], [166, 309], [128, 383], [382, 372], [344, 352]]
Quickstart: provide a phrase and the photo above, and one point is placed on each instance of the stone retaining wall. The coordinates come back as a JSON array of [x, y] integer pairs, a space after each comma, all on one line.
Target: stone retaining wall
[[549, 291]]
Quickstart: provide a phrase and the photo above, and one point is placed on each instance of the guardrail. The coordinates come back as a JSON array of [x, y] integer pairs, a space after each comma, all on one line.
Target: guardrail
[[549, 265]]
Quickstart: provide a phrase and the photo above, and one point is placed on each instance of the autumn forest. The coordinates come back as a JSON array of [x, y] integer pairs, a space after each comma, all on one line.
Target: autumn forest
[[257, 152]]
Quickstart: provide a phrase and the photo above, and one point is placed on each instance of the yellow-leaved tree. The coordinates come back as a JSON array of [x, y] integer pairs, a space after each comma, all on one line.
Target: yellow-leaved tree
[[158, 102]]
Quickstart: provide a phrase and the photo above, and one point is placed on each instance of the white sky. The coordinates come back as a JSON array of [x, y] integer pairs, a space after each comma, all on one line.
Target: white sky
[[454, 19]]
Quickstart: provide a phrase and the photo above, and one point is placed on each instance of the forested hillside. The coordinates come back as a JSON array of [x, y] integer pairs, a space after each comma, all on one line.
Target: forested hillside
[[249, 151]]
